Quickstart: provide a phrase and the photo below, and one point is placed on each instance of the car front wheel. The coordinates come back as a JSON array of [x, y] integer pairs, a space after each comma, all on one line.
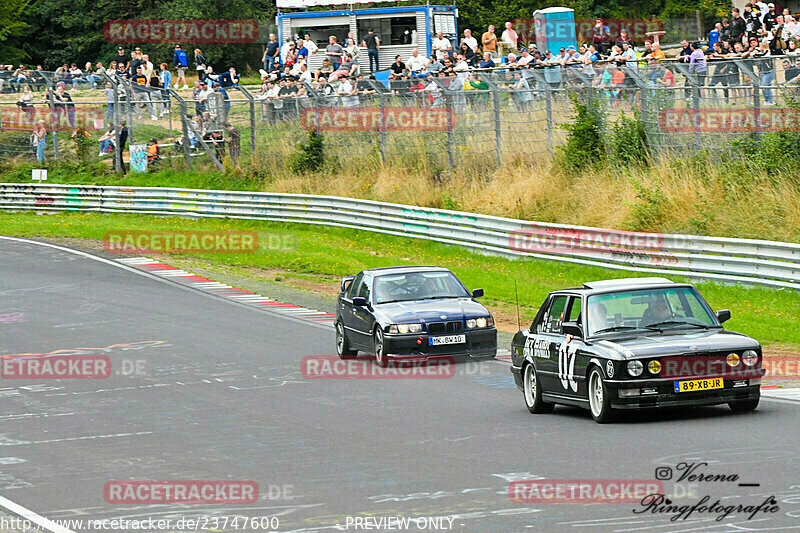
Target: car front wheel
[[380, 348], [342, 346], [599, 399], [742, 406], [532, 392]]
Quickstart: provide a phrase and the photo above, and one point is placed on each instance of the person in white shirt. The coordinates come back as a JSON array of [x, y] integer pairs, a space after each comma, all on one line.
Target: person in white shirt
[[348, 93], [509, 35], [416, 63], [461, 68], [285, 50], [310, 45], [295, 70], [470, 41], [441, 45], [305, 74], [630, 56]]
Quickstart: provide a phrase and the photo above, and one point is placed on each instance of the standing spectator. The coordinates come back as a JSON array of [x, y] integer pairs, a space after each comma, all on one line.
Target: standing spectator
[[738, 26], [109, 93], [510, 36], [181, 62], [165, 77], [769, 18], [40, 138], [489, 40], [725, 32], [200, 64], [624, 38], [334, 52], [140, 93], [629, 56], [714, 35], [766, 70], [271, 53], [147, 67], [352, 48], [601, 36], [373, 45], [123, 59], [751, 20], [284, 50], [697, 64], [441, 46], [234, 142], [470, 41], [136, 60], [310, 45]]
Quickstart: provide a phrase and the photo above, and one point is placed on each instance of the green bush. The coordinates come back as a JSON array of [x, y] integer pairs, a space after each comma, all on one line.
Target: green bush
[[648, 211], [629, 141], [310, 156], [584, 141]]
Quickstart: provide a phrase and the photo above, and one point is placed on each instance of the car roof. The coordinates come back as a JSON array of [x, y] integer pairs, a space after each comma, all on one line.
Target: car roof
[[613, 285], [380, 271]]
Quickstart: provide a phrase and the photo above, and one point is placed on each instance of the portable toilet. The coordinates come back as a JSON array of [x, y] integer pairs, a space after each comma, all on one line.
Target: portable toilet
[[554, 28]]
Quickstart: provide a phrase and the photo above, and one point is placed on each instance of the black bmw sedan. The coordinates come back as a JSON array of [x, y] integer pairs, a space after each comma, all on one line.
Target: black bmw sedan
[[634, 344], [411, 312]]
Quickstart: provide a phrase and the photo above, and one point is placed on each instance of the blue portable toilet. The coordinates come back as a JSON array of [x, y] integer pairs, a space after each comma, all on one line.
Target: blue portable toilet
[[554, 28]]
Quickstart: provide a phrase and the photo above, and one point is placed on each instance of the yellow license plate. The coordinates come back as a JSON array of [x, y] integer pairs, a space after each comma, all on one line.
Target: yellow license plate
[[698, 385]]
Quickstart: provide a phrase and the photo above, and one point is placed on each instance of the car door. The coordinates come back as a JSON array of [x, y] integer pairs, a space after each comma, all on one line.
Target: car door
[[548, 340], [362, 316], [571, 357], [346, 309]]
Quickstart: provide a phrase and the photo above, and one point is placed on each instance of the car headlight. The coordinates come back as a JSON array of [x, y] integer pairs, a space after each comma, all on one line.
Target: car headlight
[[405, 328], [635, 368], [654, 367], [481, 322], [750, 357], [732, 359]]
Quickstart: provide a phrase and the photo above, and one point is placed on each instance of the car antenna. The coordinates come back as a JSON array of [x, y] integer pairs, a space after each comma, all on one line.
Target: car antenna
[[517, 296]]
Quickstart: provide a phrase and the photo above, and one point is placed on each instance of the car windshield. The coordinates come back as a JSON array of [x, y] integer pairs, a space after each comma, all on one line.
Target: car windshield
[[653, 309], [417, 286]]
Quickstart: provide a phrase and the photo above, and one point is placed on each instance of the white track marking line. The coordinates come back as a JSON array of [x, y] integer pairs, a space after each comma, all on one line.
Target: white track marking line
[[191, 287], [40, 521]]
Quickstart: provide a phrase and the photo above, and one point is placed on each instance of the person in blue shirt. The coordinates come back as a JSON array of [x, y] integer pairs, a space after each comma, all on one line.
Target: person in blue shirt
[[713, 35], [165, 77], [487, 61], [229, 78], [181, 61]]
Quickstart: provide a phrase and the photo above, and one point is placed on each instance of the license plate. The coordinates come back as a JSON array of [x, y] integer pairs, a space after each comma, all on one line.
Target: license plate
[[698, 385], [447, 339]]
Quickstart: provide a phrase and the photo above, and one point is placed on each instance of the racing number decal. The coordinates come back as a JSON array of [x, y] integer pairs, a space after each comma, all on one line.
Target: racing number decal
[[566, 366]]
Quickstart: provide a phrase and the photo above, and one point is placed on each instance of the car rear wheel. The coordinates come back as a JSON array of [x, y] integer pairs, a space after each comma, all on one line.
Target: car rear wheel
[[380, 348], [533, 392], [599, 399], [742, 406], [342, 346]]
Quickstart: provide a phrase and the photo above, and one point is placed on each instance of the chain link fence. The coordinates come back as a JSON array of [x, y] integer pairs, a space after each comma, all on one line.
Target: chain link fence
[[479, 118]]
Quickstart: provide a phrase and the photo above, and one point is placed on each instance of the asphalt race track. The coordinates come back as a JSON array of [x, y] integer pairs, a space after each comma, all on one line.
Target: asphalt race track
[[219, 395]]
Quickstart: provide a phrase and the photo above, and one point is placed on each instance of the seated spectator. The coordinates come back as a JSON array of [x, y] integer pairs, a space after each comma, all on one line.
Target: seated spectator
[[229, 78], [91, 75], [107, 141], [76, 76], [20, 75], [348, 68], [487, 61], [398, 68], [211, 78], [433, 66], [348, 93], [469, 54], [153, 152], [325, 70], [416, 63], [25, 103]]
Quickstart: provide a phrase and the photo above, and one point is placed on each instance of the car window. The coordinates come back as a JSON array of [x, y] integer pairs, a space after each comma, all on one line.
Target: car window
[[574, 310], [363, 290], [409, 286], [352, 289], [552, 319]]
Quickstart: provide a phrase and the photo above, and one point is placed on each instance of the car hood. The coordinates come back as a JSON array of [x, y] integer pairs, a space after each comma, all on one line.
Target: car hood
[[684, 343], [431, 310]]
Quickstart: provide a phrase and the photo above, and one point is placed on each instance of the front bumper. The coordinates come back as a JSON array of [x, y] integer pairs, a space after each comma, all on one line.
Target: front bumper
[[661, 392], [479, 343]]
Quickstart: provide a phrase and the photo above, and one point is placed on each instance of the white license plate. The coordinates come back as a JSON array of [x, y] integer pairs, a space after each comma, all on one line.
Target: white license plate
[[448, 339]]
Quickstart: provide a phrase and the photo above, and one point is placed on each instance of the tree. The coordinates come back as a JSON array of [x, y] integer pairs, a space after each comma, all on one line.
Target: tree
[[12, 25]]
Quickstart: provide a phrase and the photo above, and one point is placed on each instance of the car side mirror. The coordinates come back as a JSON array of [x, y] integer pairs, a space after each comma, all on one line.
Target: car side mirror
[[723, 316], [572, 328], [477, 293], [346, 281], [360, 301]]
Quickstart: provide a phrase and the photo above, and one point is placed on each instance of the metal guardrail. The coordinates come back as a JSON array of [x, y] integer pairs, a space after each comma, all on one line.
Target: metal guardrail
[[747, 261]]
